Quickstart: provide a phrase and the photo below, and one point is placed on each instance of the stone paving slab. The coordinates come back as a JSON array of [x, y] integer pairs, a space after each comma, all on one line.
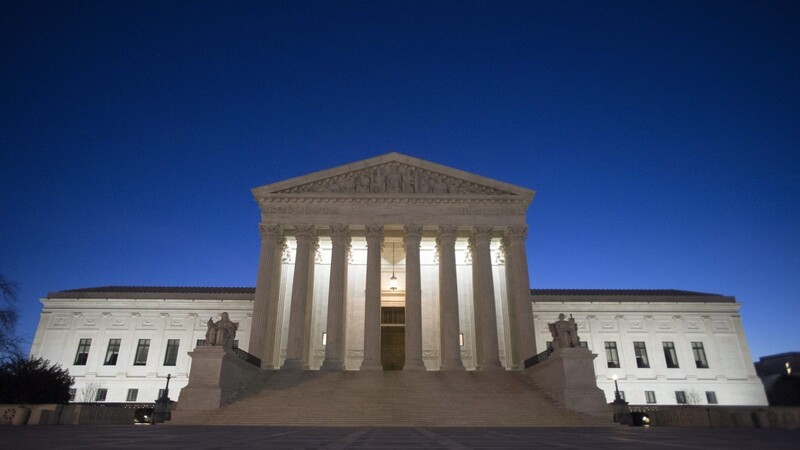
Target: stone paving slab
[[63, 437]]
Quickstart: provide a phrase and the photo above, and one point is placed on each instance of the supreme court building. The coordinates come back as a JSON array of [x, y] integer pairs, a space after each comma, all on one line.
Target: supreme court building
[[396, 263]]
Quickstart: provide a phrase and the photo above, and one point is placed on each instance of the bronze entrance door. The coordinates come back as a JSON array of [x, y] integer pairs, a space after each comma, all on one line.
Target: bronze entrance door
[[393, 337], [393, 347]]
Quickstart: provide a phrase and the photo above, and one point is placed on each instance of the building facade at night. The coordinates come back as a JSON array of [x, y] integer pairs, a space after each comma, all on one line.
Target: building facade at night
[[395, 263]]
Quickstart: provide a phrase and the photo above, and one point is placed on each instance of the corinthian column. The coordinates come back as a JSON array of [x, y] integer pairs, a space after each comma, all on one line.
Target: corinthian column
[[483, 293], [411, 240], [372, 301], [520, 295], [265, 303], [334, 348], [448, 300], [305, 235]]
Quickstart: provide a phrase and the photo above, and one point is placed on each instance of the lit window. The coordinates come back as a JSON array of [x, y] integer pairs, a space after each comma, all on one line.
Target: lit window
[[171, 355], [699, 355], [132, 395], [83, 352], [711, 397], [670, 356], [324, 338], [142, 349], [680, 397], [640, 350], [112, 352], [101, 395], [461, 339], [611, 354], [650, 396]]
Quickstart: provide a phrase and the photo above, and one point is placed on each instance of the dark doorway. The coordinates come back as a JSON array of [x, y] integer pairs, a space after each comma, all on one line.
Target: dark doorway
[[393, 347]]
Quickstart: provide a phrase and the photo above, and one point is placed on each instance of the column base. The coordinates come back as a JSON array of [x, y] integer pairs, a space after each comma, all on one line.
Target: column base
[[414, 366], [455, 365], [493, 366], [331, 366], [371, 365], [293, 364]]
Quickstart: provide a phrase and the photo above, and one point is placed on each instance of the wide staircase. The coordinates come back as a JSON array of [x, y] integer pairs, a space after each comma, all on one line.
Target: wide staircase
[[356, 398]]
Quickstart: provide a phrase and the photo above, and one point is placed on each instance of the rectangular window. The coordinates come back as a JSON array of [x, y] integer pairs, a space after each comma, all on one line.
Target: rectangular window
[[640, 350], [112, 352], [141, 352], [72, 393], [160, 393], [101, 395], [711, 396], [171, 354], [550, 346], [611, 354], [699, 355], [680, 397], [83, 352], [132, 395], [669, 355], [200, 343], [650, 396]]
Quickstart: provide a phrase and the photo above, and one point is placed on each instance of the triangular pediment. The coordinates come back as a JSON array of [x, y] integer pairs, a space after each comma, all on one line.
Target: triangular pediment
[[393, 174]]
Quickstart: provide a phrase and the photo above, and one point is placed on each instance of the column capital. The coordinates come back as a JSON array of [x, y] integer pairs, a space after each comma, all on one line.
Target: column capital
[[516, 233], [481, 233], [447, 235], [270, 231], [412, 233], [340, 231], [303, 231], [374, 231]]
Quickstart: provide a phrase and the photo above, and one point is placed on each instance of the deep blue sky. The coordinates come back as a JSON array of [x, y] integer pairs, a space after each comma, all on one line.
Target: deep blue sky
[[662, 138]]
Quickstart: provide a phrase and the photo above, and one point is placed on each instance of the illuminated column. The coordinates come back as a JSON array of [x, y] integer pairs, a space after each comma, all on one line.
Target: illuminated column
[[305, 236], [448, 300], [483, 293], [372, 302], [334, 348], [411, 240], [520, 296], [512, 350], [265, 303]]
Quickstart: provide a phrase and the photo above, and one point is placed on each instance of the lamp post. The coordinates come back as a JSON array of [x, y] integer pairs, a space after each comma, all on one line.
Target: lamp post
[[617, 397], [165, 395]]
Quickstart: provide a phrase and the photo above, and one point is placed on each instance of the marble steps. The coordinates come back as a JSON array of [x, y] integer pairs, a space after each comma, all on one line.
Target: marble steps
[[391, 399]]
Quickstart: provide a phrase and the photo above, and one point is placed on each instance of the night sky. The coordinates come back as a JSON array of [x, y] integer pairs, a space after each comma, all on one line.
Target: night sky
[[661, 138]]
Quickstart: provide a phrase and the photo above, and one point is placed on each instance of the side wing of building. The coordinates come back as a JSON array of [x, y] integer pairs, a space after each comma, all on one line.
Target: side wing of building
[[665, 346], [120, 343]]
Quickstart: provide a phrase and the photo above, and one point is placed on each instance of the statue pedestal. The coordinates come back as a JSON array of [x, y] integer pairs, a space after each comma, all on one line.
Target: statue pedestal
[[216, 376], [568, 378]]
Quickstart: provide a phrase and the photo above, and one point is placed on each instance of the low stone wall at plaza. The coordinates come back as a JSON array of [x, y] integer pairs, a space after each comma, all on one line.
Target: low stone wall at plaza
[[713, 416], [70, 414]]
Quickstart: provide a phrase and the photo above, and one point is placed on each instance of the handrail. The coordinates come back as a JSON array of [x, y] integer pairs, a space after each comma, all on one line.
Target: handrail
[[536, 359]]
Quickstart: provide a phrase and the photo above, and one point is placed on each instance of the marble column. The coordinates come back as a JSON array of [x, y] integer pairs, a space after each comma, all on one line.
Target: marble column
[[337, 289], [265, 304], [413, 331], [483, 293], [513, 356], [450, 347], [521, 294], [372, 301], [305, 236]]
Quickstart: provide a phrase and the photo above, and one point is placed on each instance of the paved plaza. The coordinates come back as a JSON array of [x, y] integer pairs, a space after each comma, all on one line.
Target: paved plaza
[[166, 436]]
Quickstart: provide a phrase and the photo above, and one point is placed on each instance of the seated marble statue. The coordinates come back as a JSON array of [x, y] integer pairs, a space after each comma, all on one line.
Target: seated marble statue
[[564, 332], [221, 333]]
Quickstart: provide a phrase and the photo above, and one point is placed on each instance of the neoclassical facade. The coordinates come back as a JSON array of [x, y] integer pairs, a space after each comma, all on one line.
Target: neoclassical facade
[[392, 236], [395, 263]]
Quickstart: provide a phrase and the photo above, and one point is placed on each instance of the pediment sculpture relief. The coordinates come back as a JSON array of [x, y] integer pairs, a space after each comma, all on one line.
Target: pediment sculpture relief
[[393, 178]]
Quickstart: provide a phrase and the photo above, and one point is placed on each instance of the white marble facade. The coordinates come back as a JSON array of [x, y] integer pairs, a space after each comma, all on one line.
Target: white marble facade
[[455, 242]]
